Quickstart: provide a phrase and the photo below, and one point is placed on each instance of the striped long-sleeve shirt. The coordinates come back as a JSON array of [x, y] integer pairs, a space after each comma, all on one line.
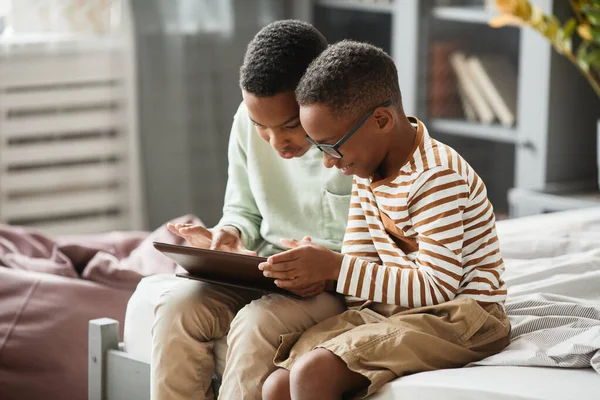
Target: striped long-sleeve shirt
[[423, 236]]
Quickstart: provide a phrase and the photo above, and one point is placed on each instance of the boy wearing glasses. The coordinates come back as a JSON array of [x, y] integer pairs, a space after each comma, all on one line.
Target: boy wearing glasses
[[421, 267]]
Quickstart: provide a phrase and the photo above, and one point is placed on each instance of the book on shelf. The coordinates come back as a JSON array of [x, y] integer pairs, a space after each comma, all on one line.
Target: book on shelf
[[443, 99], [471, 93], [487, 86], [468, 109], [496, 79]]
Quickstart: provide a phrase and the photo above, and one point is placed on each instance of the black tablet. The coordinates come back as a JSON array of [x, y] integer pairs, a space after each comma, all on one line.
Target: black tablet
[[231, 269]]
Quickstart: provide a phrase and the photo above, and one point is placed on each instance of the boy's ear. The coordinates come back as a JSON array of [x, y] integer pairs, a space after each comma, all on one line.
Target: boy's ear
[[384, 119]]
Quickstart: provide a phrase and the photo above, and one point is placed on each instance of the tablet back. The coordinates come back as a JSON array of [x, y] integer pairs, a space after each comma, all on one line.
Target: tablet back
[[220, 267]]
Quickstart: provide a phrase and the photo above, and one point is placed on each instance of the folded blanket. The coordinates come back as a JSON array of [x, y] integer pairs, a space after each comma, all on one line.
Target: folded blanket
[[553, 299], [551, 331]]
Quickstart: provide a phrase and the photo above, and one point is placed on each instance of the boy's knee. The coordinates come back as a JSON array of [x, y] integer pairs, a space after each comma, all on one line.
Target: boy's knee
[[277, 386], [253, 319], [178, 301], [314, 369], [192, 306], [253, 313]]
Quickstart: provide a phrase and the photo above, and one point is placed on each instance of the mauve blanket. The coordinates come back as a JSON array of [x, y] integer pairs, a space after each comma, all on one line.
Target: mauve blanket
[[50, 288]]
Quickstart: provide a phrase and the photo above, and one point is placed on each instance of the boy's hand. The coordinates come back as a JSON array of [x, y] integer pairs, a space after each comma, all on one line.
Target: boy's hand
[[220, 238], [227, 238], [304, 265], [310, 290], [201, 238]]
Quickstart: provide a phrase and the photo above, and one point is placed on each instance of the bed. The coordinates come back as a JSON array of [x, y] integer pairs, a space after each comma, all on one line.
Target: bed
[[550, 257]]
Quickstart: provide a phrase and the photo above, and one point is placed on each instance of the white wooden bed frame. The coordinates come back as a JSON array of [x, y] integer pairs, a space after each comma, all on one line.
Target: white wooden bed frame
[[112, 373]]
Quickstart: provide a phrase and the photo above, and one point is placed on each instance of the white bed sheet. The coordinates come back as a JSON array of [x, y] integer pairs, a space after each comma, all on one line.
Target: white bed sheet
[[512, 232], [495, 383], [553, 253]]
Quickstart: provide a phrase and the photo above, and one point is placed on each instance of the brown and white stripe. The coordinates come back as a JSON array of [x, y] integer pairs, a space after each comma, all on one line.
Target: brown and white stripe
[[423, 236]]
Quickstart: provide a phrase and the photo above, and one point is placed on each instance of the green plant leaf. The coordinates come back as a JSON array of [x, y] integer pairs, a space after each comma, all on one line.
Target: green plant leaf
[[523, 9], [592, 13], [593, 58], [551, 27], [596, 34], [583, 65], [563, 45], [564, 35], [582, 53], [569, 28], [537, 15]]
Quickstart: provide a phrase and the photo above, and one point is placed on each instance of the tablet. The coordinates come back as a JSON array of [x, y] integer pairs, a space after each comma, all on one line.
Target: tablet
[[230, 269]]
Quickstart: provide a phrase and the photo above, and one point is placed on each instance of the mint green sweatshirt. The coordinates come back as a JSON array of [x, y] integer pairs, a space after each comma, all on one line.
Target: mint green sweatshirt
[[269, 198]]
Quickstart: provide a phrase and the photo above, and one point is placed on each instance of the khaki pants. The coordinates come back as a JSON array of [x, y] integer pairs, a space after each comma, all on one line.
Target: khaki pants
[[382, 343], [202, 329]]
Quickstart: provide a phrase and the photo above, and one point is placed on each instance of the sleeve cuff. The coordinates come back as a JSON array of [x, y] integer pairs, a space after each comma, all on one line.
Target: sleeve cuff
[[248, 232], [345, 274]]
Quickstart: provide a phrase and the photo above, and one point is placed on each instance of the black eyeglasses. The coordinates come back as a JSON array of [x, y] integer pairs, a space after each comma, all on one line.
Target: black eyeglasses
[[332, 149]]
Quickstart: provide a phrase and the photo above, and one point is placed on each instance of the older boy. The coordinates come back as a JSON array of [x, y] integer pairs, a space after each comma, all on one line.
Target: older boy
[[277, 188], [421, 267]]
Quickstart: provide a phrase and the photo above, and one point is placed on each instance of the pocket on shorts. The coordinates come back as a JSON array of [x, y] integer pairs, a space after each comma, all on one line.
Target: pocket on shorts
[[485, 324], [286, 343], [473, 315], [494, 334]]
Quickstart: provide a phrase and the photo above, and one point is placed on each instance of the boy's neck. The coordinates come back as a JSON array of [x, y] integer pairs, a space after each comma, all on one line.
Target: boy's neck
[[402, 140]]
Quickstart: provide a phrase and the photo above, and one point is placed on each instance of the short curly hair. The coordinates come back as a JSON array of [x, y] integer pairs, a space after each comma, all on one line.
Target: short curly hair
[[350, 78], [278, 56]]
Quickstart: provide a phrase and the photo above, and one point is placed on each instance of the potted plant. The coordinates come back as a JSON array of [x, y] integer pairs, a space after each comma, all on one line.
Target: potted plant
[[583, 49]]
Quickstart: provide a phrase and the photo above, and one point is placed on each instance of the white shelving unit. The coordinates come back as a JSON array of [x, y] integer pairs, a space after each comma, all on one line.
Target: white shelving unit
[[473, 130], [470, 14], [380, 7]]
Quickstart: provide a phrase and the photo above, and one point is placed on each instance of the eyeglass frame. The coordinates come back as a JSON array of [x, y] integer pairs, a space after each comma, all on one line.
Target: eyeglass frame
[[347, 136]]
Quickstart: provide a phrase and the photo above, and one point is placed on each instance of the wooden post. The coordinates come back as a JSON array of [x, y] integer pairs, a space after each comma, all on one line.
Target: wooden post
[[103, 335]]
